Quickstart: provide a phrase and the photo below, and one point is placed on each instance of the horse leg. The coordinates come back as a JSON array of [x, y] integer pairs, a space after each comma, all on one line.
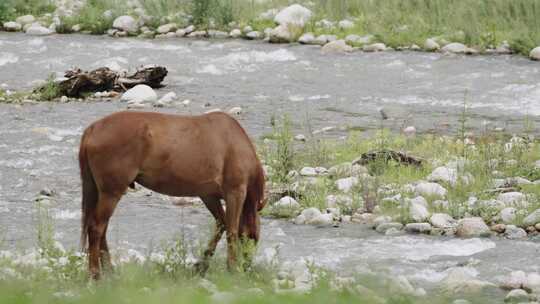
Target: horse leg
[[214, 206], [234, 199], [105, 257], [97, 228]]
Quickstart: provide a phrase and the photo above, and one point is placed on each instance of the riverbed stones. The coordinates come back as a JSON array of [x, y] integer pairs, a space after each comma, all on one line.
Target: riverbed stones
[[418, 228], [472, 227], [533, 218], [513, 232], [235, 33], [338, 46], [166, 99], [126, 23], [296, 15], [442, 220], [166, 28], [283, 33], [431, 45], [338, 201], [383, 227], [345, 24], [26, 19], [12, 26], [535, 53], [287, 202], [418, 212], [307, 38], [512, 199], [508, 215], [308, 171], [458, 48], [430, 189], [139, 94], [38, 30], [375, 47], [324, 39], [347, 169], [517, 296], [443, 174], [516, 280], [253, 35], [460, 281], [346, 184]]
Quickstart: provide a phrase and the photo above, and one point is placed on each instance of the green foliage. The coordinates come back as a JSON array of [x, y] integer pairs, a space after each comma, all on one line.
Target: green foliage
[[48, 91]]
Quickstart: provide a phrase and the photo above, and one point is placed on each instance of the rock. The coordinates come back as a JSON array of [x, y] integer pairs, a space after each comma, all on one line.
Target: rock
[[533, 282], [512, 232], [443, 174], [308, 171], [431, 45], [322, 220], [126, 23], [380, 220], [38, 30], [364, 218], [347, 169], [307, 38], [295, 14], [517, 296], [300, 137], [12, 26], [235, 111], [472, 227], [269, 14], [382, 228], [253, 35], [442, 220], [235, 33], [376, 47], [307, 215], [409, 131], [168, 98], [64, 99], [324, 39], [247, 29], [430, 189], [198, 34], [512, 198], [459, 280], [516, 280], [338, 201], [190, 29], [346, 184], [537, 227], [217, 34], [499, 228], [535, 53], [418, 212], [533, 218], [345, 24], [457, 48], [358, 40], [166, 28], [393, 232], [26, 19], [418, 228], [338, 46], [287, 202], [282, 34], [139, 93], [508, 215]]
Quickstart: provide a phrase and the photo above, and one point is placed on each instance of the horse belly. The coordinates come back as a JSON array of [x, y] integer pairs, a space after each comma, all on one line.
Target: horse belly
[[172, 185]]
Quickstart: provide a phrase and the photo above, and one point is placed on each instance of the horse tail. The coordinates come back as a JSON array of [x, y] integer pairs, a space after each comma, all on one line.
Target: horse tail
[[89, 189], [257, 189]]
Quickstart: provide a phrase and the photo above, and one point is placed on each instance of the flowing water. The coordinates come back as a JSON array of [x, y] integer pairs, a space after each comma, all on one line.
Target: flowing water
[[39, 143]]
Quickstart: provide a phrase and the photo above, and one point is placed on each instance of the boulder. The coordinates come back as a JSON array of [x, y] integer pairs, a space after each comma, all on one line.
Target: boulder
[[236, 33], [253, 35], [472, 227], [457, 48], [442, 220], [418, 212], [512, 199], [533, 282], [533, 218], [166, 28], [38, 30], [322, 220], [12, 26], [375, 47], [307, 215], [307, 38], [508, 215], [512, 232], [459, 280], [140, 93], [430, 189], [431, 45], [517, 296], [324, 39], [26, 19], [535, 53], [295, 14], [338, 46], [126, 23], [190, 29], [283, 33], [166, 99], [308, 171], [516, 280], [443, 174], [383, 227], [346, 184], [418, 228], [287, 202]]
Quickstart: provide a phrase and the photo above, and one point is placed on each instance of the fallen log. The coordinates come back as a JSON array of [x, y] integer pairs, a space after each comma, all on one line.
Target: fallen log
[[80, 83], [387, 155]]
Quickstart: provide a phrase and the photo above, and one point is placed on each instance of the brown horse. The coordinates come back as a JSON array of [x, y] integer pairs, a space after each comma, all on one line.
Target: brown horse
[[209, 156]]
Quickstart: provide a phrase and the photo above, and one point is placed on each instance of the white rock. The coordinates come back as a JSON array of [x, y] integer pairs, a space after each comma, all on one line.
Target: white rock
[[443, 174], [126, 23], [418, 212], [517, 296], [300, 137], [508, 215], [139, 93], [384, 227], [375, 47], [409, 131], [307, 215], [38, 30], [533, 282], [235, 33], [190, 29], [253, 35], [430, 189], [166, 28], [26, 19], [167, 99], [533, 218], [512, 198], [347, 169], [345, 24], [459, 280], [457, 48], [418, 227], [269, 14], [346, 184], [307, 38], [295, 15], [308, 171], [431, 45], [324, 39], [338, 46], [516, 280], [282, 34], [472, 227], [338, 201], [217, 34], [512, 232], [535, 53], [12, 26], [287, 202], [322, 220], [442, 220]]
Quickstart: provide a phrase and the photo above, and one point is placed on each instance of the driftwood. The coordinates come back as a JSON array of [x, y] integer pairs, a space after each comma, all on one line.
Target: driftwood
[[387, 155], [81, 82]]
